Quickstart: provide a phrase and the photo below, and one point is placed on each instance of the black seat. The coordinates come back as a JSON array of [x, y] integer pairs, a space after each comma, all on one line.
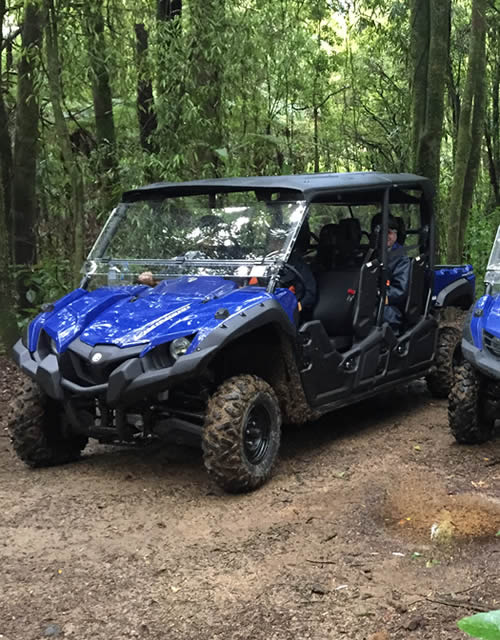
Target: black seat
[[416, 301], [349, 241], [366, 303], [327, 247], [335, 304]]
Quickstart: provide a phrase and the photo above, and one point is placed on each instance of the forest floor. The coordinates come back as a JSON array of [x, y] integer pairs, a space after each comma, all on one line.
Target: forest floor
[[140, 544]]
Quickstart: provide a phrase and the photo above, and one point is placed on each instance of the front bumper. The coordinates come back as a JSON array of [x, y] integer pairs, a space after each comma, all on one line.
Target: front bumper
[[482, 359], [129, 382]]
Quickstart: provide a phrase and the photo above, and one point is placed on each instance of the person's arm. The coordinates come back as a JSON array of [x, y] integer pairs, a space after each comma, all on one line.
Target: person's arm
[[397, 291]]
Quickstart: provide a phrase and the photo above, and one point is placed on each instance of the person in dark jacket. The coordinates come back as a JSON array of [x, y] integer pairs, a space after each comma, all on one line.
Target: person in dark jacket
[[398, 268]]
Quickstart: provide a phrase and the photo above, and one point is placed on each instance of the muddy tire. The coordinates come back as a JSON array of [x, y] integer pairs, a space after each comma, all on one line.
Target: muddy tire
[[469, 415], [440, 380], [36, 429], [242, 433]]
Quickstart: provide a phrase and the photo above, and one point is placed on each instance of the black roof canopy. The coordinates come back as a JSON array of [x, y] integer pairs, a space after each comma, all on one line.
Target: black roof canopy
[[314, 186]]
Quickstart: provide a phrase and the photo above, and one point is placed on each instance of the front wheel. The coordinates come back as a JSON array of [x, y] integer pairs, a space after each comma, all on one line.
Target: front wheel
[[36, 426], [242, 433], [470, 414]]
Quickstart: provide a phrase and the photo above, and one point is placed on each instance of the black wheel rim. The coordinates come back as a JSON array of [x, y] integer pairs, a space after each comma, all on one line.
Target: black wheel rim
[[257, 433]]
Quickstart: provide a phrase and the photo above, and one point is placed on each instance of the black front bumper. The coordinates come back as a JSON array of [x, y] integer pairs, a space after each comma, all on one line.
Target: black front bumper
[[131, 381], [483, 360]]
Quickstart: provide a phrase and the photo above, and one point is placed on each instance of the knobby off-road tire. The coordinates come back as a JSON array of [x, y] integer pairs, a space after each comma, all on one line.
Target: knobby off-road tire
[[468, 415], [242, 433], [440, 380], [36, 429]]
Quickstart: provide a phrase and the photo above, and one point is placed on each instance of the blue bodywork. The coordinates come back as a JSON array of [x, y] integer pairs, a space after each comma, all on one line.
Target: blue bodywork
[[446, 275], [481, 336], [140, 315]]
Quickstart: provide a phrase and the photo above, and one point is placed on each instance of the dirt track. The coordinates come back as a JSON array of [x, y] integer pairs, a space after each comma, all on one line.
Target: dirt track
[[139, 544]]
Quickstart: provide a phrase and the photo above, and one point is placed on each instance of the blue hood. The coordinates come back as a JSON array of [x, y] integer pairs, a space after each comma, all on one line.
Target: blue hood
[[134, 315]]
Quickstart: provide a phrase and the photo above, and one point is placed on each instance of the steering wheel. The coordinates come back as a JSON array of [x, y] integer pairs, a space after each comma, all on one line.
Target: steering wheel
[[299, 294]]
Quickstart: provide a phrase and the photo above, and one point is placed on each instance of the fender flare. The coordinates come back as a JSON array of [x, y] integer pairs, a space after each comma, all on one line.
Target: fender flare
[[457, 294]]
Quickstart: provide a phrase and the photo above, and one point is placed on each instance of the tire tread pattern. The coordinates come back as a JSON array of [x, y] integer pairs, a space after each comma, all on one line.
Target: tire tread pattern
[[35, 431], [440, 379], [222, 441], [465, 411]]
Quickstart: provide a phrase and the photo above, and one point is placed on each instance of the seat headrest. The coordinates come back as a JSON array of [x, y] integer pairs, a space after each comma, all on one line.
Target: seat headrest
[[328, 235], [350, 229]]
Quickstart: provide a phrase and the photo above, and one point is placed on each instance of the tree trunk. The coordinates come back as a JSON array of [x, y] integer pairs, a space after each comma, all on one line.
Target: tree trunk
[[168, 9], [207, 18], [5, 155], [8, 326], [429, 143], [145, 103], [419, 56], [102, 97], [471, 123], [76, 196], [24, 202], [493, 122]]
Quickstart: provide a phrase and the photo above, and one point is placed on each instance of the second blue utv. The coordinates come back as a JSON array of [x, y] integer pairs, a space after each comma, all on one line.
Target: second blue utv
[[221, 351], [474, 402]]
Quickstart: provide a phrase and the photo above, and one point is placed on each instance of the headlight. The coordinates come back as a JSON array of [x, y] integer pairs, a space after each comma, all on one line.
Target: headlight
[[178, 347]]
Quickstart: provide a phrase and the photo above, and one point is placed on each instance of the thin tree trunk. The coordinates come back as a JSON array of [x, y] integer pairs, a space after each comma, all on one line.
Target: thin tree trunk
[[145, 102], [5, 153], [429, 144], [477, 132], [102, 97], [24, 202], [76, 198], [419, 55], [466, 158], [208, 79]]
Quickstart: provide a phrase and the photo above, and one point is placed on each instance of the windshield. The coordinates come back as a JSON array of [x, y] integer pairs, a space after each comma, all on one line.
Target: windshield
[[493, 269], [195, 234]]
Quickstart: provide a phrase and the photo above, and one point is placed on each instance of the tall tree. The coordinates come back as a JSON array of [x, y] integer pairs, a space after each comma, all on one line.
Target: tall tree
[[145, 102], [470, 134], [102, 97], [24, 201], [71, 167], [492, 130], [429, 51], [207, 60], [5, 152], [7, 320]]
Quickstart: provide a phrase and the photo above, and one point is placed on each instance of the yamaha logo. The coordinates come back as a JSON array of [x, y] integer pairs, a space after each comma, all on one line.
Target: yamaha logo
[[96, 357]]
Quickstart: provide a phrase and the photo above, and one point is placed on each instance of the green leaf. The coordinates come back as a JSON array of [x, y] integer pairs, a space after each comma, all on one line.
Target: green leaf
[[484, 626], [498, 534], [222, 153], [30, 295]]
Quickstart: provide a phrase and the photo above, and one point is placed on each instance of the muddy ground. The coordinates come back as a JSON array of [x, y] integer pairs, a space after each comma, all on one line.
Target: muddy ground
[[139, 543]]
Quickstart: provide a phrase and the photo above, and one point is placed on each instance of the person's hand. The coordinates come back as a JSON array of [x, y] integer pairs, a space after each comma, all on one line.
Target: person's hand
[[146, 277]]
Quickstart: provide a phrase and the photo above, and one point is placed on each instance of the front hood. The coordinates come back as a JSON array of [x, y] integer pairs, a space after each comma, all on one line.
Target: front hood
[[130, 316]]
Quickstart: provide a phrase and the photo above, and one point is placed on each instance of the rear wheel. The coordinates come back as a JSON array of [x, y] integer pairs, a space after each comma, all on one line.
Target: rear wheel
[[38, 432], [470, 413], [440, 380], [242, 432]]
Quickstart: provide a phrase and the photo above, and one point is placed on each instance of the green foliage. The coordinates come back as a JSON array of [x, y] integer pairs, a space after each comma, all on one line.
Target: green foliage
[[45, 282], [484, 626], [239, 88], [480, 236]]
